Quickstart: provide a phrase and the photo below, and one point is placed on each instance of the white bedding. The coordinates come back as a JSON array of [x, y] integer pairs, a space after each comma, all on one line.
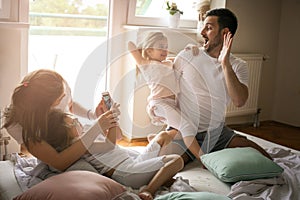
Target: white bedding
[[289, 159], [202, 180], [285, 186]]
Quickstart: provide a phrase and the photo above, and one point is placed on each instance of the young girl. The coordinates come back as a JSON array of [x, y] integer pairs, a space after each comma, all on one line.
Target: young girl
[[161, 79], [124, 166]]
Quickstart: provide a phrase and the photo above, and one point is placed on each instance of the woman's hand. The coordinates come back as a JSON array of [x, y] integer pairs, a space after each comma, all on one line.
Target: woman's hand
[[100, 109], [108, 120]]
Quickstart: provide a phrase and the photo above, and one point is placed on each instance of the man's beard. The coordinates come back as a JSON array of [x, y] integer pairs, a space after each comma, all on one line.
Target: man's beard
[[217, 41]]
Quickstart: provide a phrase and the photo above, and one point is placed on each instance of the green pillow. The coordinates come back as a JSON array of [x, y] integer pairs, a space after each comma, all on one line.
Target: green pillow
[[237, 164], [192, 196]]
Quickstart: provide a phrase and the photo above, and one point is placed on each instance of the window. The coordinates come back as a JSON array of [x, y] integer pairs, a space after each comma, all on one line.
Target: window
[[64, 34], [154, 13]]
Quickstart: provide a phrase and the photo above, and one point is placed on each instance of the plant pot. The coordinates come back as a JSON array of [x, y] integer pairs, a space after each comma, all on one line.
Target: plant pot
[[174, 20]]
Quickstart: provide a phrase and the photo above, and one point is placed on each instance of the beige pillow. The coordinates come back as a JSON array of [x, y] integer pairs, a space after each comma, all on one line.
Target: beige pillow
[[75, 185]]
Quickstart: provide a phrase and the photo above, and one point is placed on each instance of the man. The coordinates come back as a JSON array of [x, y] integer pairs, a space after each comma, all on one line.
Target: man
[[208, 82]]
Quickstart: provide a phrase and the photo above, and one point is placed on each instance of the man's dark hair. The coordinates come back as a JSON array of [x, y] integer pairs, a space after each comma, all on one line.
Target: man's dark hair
[[226, 19]]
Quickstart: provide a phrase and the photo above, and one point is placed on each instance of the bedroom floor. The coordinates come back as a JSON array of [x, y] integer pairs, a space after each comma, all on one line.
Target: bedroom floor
[[273, 131]]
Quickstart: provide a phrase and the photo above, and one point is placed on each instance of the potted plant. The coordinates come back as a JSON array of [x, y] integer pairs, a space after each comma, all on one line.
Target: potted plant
[[173, 8], [175, 13]]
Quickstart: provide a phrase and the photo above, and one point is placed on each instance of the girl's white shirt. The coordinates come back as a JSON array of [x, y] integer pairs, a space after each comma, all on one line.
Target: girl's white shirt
[[161, 80]]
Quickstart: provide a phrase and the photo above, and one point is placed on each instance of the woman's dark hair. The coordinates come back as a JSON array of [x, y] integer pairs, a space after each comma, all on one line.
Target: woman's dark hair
[[31, 102], [58, 130], [226, 19]]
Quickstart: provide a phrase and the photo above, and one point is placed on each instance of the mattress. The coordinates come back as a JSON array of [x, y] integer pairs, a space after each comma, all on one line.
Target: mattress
[[9, 186], [199, 178]]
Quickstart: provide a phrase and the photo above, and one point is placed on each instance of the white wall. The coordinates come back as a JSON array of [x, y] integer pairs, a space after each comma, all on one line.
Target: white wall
[[272, 28], [13, 55], [258, 32], [286, 107]]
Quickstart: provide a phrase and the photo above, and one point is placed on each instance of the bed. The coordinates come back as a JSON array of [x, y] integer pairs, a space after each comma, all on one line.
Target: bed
[[285, 186]]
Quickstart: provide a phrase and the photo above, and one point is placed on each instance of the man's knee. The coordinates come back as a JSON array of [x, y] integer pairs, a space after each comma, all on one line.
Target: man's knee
[[239, 141], [172, 148]]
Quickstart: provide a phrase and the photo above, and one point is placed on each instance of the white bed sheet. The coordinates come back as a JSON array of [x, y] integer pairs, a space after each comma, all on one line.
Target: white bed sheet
[[9, 186], [199, 178]]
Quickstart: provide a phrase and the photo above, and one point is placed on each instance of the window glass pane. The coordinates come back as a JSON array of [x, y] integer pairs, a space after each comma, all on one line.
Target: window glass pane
[[157, 8], [63, 33]]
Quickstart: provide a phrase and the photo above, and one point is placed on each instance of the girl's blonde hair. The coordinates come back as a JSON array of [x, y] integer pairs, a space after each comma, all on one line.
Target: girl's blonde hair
[[149, 42], [31, 101]]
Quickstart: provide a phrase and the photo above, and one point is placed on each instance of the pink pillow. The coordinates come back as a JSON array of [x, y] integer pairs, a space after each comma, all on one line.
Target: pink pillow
[[75, 185]]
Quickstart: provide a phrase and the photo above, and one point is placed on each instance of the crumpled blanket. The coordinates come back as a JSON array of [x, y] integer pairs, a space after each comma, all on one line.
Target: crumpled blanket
[[23, 168], [284, 187], [30, 171], [179, 185]]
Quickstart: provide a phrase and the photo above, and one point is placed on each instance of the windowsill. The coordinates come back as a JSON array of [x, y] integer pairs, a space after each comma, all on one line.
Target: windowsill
[[14, 25], [182, 30]]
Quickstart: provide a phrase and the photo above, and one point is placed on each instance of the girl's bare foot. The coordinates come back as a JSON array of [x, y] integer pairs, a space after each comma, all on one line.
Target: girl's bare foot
[[145, 195]]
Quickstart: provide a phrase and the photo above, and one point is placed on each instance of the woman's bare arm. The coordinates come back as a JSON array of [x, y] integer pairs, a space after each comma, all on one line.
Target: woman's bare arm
[[62, 160], [59, 160]]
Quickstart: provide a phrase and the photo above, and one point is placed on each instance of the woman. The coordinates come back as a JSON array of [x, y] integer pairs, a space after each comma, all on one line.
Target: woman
[[26, 118]]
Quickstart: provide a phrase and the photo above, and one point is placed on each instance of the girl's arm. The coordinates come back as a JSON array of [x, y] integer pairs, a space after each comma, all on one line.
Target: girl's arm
[[108, 144], [101, 147], [136, 53], [110, 138], [62, 160]]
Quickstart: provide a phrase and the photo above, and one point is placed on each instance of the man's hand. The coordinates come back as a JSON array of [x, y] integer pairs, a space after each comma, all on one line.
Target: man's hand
[[225, 52]]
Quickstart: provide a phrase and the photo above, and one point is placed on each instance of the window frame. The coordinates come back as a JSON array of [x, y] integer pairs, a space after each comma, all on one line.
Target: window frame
[[132, 19], [5, 9]]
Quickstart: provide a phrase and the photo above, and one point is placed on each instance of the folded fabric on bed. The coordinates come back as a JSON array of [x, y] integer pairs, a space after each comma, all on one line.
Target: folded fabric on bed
[[192, 196], [285, 186], [237, 164], [29, 171]]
